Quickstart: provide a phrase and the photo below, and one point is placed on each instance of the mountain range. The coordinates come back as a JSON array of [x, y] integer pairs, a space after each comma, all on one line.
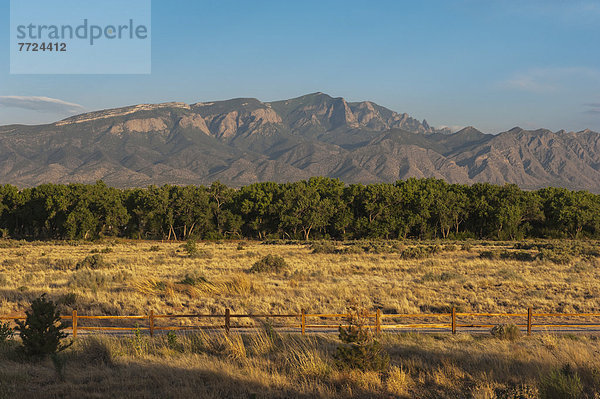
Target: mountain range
[[242, 141]]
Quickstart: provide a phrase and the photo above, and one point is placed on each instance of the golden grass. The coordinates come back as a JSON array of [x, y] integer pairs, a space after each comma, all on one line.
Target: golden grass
[[291, 366], [138, 278]]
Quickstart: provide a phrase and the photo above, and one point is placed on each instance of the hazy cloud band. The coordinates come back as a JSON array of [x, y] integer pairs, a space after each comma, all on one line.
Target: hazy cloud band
[[41, 104]]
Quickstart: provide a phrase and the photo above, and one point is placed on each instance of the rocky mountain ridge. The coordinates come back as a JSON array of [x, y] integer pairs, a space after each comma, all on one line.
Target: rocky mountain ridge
[[241, 141]]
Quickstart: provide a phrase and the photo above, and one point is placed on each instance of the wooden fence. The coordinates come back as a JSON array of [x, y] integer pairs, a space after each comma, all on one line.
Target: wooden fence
[[305, 322]]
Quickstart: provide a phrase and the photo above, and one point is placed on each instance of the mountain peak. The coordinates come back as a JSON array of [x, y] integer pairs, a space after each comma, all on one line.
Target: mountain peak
[[243, 140]]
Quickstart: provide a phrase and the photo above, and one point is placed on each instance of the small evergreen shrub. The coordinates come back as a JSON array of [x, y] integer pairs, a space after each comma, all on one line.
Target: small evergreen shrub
[[359, 349], [269, 264], [191, 248], [173, 343], [41, 332], [561, 383], [506, 331]]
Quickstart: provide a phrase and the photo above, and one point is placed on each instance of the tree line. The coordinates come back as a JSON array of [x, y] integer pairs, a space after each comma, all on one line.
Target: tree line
[[318, 208]]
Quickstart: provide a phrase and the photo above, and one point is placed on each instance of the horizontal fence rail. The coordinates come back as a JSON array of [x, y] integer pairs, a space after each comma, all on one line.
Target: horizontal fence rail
[[305, 322]]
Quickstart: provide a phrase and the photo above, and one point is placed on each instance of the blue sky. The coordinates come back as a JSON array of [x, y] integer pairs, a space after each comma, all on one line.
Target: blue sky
[[490, 64]]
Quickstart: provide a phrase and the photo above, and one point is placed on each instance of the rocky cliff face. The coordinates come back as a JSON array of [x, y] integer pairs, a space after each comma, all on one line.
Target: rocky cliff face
[[242, 141]]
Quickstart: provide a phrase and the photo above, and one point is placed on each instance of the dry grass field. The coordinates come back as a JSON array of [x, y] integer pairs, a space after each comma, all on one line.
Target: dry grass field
[[263, 365], [129, 277]]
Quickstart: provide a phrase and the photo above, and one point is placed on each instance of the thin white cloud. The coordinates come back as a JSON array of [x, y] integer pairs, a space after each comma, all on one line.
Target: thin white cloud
[[548, 80], [40, 104]]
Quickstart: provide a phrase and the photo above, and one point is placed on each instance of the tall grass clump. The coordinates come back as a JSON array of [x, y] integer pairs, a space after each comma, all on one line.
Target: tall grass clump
[[563, 383]]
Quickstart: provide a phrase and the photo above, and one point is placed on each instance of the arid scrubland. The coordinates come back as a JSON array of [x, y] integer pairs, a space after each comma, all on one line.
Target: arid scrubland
[[270, 365], [133, 277]]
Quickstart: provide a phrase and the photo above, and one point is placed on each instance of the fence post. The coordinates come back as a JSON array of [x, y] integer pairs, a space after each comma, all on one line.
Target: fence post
[[303, 322], [227, 320], [151, 320], [453, 320], [74, 322], [529, 320], [378, 322]]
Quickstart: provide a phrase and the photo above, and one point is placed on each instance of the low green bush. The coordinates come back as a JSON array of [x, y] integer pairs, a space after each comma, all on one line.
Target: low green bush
[[324, 248], [269, 264], [93, 262], [506, 331]]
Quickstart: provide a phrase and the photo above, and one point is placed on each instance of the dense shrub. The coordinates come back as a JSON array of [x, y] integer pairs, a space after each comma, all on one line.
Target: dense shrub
[[64, 264], [88, 279], [557, 256], [517, 392], [518, 255], [269, 264], [41, 333], [93, 262], [324, 248], [92, 279], [561, 383], [418, 252], [506, 331], [493, 254]]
